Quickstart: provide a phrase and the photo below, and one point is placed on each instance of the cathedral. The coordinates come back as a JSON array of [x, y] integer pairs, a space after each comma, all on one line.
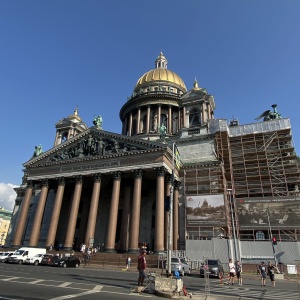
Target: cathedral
[[174, 173]]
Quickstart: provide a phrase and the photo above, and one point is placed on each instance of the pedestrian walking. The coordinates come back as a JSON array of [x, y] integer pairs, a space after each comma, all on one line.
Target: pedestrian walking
[[231, 272], [142, 267], [271, 273], [128, 262], [263, 273], [238, 269], [221, 276]]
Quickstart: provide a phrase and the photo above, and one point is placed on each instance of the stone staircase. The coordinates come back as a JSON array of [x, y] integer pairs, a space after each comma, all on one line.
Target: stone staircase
[[117, 260]]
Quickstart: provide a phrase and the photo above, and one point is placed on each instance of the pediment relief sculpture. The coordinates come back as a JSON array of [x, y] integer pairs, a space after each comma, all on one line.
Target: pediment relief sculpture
[[92, 146]]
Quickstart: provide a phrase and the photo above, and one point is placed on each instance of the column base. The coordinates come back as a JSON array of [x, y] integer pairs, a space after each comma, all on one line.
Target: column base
[[15, 246], [110, 250], [156, 251], [122, 251], [67, 248], [133, 250]]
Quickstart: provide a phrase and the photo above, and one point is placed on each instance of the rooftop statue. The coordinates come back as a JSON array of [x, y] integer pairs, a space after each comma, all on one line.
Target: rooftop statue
[[38, 150], [98, 121], [162, 131], [270, 115]]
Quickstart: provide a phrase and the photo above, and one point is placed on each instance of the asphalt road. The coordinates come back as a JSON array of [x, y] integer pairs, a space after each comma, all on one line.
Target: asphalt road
[[53, 283]]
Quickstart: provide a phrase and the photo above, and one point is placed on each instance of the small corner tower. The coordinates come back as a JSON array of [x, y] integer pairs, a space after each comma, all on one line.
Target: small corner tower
[[68, 127]]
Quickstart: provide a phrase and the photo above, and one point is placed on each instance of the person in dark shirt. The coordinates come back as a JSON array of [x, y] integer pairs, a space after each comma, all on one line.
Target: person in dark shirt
[[263, 273], [238, 269], [271, 272]]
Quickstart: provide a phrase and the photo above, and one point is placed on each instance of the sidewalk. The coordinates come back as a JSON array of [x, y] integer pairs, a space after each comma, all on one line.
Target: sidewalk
[[194, 273]]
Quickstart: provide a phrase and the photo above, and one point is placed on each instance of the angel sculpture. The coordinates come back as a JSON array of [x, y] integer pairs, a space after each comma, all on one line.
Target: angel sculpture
[[37, 150], [270, 115], [98, 121]]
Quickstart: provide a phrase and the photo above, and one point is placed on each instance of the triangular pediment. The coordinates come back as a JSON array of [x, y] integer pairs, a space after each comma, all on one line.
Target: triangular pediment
[[195, 94], [94, 144]]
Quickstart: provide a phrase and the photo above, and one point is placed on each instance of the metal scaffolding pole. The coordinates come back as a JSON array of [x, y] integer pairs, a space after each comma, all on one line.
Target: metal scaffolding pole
[[233, 226]]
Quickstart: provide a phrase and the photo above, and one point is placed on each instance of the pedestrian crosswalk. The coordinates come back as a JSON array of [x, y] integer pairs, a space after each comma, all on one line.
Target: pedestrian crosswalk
[[247, 293]]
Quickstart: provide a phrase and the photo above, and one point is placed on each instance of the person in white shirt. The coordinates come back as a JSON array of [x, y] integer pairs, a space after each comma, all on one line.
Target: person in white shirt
[[231, 271]]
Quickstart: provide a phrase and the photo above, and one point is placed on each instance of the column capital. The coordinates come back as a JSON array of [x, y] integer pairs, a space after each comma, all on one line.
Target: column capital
[[20, 191], [97, 177], [61, 180], [177, 185], [78, 178], [116, 175], [160, 172], [138, 173], [29, 184], [44, 183]]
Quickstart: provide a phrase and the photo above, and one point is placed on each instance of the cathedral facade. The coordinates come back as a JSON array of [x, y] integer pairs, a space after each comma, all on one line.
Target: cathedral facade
[[103, 188]]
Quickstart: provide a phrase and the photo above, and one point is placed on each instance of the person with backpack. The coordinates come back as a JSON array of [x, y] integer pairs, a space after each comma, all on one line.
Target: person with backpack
[[263, 273], [238, 269]]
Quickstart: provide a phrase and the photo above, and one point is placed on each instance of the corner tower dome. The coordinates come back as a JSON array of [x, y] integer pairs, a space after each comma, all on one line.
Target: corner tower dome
[[160, 74]]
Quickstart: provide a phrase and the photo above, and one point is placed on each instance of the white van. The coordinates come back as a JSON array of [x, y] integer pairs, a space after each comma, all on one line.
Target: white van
[[20, 256]]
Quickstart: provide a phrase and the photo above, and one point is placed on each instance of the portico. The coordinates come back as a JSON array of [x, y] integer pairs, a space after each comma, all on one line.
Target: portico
[[118, 201]]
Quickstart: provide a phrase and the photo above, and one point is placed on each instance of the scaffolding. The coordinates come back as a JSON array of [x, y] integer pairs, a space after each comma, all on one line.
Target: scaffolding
[[259, 161], [206, 179]]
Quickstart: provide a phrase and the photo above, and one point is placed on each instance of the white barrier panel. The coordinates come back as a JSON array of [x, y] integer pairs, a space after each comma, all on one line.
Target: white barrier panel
[[291, 269]]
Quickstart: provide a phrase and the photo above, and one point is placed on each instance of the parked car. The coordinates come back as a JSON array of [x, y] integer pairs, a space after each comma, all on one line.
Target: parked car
[[5, 255], [69, 261], [179, 264], [20, 255], [213, 267], [47, 260], [34, 260]]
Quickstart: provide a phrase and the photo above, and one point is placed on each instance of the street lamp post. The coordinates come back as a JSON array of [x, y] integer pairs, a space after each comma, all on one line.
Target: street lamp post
[[233, 224], [170, 231]]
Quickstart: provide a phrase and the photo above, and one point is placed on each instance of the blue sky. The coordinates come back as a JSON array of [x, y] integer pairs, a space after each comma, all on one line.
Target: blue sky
[[56, 55]]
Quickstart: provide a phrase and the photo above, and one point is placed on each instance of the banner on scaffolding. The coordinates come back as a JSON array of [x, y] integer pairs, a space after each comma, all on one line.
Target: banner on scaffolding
[[205, 210], [281, 212]]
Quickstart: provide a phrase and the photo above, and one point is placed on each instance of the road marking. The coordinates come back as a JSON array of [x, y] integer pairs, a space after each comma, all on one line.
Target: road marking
[[64, 284], [246, 293], [98, 288], [36, 281], [11, 278], [74, 295]]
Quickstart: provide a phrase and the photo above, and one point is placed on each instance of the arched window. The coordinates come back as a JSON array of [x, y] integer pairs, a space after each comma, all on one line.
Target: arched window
[[194, 117], [164, 120], [134, 127], [64, 137]]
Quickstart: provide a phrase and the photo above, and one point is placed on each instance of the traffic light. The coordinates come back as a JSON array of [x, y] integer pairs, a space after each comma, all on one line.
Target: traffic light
[[274, 241], [167, 203]]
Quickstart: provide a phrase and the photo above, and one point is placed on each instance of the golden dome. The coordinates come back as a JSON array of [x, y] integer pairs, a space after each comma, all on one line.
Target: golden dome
[[75, 115], [160, 73]]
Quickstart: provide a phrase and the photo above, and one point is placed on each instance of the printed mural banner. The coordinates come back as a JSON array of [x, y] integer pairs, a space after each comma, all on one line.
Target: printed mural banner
[[284, 212], [205, 210]]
